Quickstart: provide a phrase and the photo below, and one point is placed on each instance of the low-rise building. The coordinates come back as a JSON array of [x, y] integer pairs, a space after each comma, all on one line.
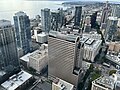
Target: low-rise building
[[38, 60], [18, 81], [59, 84], [41, 38], [103, 83], [114, 46]]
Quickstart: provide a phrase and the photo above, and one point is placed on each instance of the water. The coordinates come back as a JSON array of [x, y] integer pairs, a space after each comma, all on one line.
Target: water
[[32, 8]]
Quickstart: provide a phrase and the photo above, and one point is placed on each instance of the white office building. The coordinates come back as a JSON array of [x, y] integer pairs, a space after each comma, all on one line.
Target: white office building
[[59, 84], [91, 49]]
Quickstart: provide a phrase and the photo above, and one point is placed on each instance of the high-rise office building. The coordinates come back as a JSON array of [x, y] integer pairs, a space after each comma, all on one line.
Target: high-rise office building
[[65, 56], [22, 29], [93, 20], [105, 14], [111, 28], [116, 11], [54, 20], [78, 12], [57, 19], [46, 20], [9, 63]]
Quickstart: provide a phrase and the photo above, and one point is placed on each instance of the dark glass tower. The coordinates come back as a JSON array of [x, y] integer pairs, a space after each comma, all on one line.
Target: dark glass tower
[[78, 11], [46, 20], [23, 33], [9, 63], [93, 20]]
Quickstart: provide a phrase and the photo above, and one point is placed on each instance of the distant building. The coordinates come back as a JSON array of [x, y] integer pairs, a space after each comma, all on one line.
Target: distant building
[[9, 63], [65, 56], [111, 28], [46, 20], [116, 11], [18, 81], [105, 14], [114, 46], [78, 12], [59, 84], [57, 19], [93, 20], [23, 32]]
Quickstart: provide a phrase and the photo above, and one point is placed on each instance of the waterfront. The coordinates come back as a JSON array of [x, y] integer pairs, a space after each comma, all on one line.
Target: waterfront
[[32, 8]]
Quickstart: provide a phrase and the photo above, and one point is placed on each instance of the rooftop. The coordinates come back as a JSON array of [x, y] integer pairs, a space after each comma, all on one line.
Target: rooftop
[[16, 80], [64, 36], [92, 43], [20, 13], [63, 84], [39, 54], [4, 23], [106, 82], [112, 18]]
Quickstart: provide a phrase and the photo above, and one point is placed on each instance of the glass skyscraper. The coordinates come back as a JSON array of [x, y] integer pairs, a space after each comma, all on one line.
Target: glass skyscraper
[[23, 33], [9, 63], [46, 20]]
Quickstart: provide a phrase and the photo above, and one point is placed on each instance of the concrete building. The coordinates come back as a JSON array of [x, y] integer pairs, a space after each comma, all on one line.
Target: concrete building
[[103, 83], [9, 63], [92, 35], [46, 20], [114, 46], [107, 82], [65, 56], [18, 81], [38, 60], [59, 84], [22, 31], [42, 38], [91, 49], [116, 11]]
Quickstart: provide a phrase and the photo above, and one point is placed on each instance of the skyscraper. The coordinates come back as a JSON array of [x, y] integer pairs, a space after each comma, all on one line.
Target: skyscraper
[[116, 11], [78, 12], [105, 14], [22, 29], [93, 20], [46, 20], [111, 28], [65, 56], [57, 19], [9, 63]]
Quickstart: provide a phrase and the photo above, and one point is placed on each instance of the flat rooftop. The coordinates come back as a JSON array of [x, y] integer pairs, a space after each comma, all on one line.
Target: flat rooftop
[[16, 80], [92, 43], [63, 84], [4, 23], [39, 54], [63, 35], [105, 81]]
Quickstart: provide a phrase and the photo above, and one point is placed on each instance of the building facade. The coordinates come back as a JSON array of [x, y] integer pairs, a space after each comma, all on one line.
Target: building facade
[[46, 20], [65, 59], [23, 33], [9, 63], [78, 12]]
